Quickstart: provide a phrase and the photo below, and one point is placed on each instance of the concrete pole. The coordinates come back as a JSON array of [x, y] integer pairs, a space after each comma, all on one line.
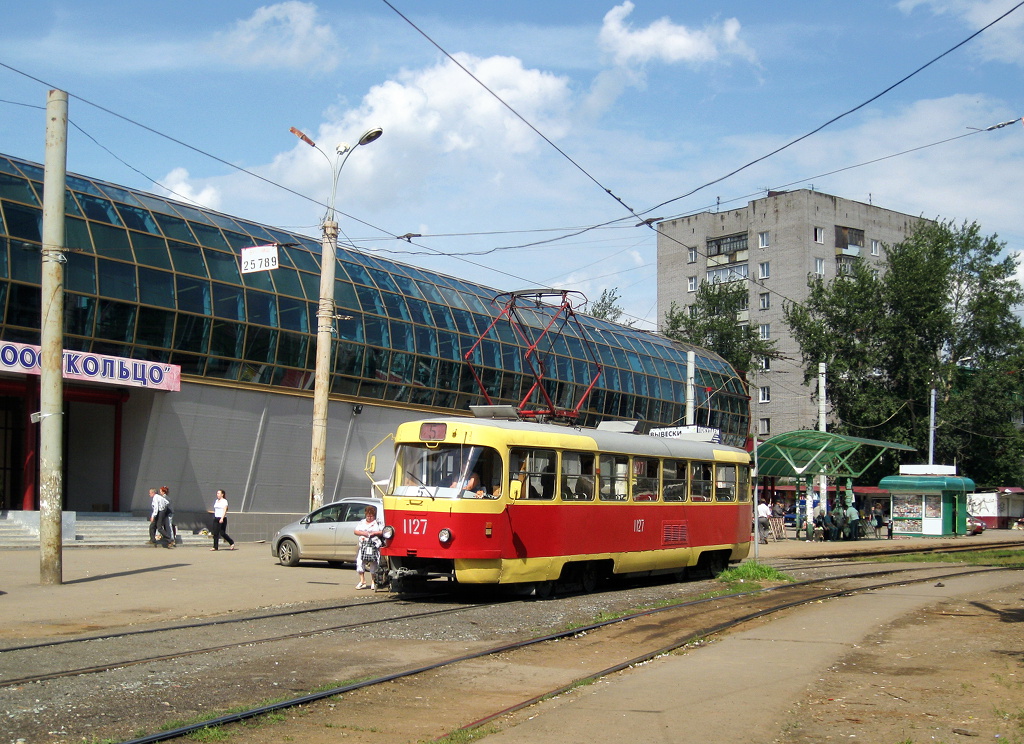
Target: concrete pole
[[322, 374], [931, 429], [51, 353], [691, 372], [822, 480]]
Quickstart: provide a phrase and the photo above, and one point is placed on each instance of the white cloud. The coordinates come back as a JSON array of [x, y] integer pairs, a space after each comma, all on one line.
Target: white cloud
[[177, 185], [284, 35], [1004, 42], [668, 42]]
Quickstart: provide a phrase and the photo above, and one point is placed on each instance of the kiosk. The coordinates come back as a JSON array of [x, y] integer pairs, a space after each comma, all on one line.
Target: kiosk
[[928, 500]]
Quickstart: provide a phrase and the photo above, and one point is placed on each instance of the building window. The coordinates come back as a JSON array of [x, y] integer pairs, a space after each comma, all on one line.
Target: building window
[[876, 248], [691, 255], [691, 284], [819, 266], [765, 300], [764, 394], [728, 244], [764, 426], [728, 274], [764, 270], [744, 304], [819, 235], [765, 331], [762, 239], [844, 265], [766, 364]]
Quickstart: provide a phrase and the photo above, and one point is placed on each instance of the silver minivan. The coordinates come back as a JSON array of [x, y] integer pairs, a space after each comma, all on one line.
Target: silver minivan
[[326, 534]]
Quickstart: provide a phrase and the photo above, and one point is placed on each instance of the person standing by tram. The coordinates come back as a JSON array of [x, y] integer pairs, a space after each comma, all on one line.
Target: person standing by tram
[[764, 524]]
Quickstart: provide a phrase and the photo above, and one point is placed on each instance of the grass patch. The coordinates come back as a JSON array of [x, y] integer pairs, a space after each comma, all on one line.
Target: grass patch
[[748, 574], [1000, 558], [464, 736]]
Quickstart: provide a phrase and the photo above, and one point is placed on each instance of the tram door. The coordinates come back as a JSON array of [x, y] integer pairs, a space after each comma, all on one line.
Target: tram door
[[537, 471]]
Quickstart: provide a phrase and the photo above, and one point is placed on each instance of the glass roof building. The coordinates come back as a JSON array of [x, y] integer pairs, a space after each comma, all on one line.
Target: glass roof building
[[156, 280]]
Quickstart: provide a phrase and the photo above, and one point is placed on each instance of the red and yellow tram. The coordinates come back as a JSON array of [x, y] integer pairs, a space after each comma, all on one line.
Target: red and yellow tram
[[487, 501]]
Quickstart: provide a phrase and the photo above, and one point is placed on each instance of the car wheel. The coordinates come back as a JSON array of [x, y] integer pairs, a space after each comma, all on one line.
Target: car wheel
[[288, 553]]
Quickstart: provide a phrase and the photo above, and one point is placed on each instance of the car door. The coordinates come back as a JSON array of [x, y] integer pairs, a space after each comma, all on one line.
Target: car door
[[347, 543], [319, 536]]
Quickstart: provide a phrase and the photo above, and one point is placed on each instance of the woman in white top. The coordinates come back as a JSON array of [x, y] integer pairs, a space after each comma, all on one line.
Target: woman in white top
[[220, 521]]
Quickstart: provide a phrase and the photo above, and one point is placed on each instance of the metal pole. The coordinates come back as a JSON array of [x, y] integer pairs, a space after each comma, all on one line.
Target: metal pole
[[691, 390], [822, 479], [51, 351]]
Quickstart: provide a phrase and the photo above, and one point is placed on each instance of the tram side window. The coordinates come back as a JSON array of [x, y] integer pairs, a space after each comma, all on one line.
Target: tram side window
[[701, 481], [577, 476], [673, 480], [614, 477], [725, 482], [645, 479], [536, 470], [743, 484]]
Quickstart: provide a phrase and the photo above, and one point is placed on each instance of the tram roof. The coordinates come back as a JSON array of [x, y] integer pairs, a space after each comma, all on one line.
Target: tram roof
[[807, 452]]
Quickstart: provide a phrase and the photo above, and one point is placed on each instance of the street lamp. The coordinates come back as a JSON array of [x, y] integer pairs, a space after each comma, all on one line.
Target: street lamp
[[325, 317]]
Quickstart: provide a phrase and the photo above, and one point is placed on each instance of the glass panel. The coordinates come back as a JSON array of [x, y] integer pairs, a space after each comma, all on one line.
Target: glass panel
[[190, 213], [262, 308], [156, 288], [302, 258], [192, 333], [175, 228], [396, 307], [384, 280], [117, 194], [138, 219], [157, 205], [78, 184], [79, 313], [187, 258], [261, 280], [402, 336], [350, 327], [209, 236], [293, 350], [376, 330], [701, 481], [76, 235], [156, 328], [350, 358], [344, 295], [294, 314], [725, 482], [111, 242], [150, 250], [358, 273], [228, 302], [116, 321], [23, 308], [406, 285], [99, 209], [25, 223], [80, 273], [287, 281], [430, 292], [370, 300], [17, 188], [426, 340], [238, 240], [26, 263], [116, 280], [442, 317], [226, 340], [536, 470], [223, 266], [193, 295]]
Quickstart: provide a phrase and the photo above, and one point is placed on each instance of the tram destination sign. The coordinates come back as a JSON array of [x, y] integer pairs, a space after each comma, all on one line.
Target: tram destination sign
[[259, 258], [78, 365]]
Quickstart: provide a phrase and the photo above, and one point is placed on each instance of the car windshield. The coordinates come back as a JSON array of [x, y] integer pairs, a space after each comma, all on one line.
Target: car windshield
[[446, 471]]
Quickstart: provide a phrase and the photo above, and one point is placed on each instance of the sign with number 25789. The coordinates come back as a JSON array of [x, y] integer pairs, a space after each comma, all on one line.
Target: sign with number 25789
[[259, 258]]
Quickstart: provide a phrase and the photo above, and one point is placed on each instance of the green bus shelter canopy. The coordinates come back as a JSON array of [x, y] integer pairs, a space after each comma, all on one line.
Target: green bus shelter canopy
[[806, 452]]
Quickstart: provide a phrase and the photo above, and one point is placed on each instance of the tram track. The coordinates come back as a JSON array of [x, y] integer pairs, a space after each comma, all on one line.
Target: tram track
[[677, 626]]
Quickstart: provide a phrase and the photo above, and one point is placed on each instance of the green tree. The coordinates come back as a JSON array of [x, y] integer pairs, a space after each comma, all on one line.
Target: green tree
[[711, 322], [939, 316], [607, 307]]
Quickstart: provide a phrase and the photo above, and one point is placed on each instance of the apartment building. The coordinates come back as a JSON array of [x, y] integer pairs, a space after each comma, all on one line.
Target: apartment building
[[774, 244]]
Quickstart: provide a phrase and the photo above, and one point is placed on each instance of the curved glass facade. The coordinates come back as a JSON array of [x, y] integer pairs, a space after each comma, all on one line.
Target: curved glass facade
[[154, 279]]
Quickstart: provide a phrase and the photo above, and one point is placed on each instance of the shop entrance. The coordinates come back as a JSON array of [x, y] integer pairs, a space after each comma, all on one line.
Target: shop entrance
[[12, 456]]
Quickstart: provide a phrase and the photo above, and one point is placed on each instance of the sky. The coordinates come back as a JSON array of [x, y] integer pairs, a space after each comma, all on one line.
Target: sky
[[609, 114]]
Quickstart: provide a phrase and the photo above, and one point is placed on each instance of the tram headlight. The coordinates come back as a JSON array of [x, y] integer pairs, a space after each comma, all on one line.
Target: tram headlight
[[445, 536], [388, 533]]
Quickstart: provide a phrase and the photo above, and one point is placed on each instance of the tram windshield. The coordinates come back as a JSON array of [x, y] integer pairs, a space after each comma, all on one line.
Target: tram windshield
[[446, 472]]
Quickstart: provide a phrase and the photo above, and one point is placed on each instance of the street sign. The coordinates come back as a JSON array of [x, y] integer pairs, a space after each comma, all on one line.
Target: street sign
[[259, 258]]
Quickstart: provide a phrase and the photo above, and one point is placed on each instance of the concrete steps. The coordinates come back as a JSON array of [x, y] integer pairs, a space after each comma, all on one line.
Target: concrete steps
[[90, 530]]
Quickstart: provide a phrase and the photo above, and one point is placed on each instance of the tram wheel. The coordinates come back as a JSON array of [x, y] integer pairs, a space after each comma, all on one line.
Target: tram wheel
[[716, 563], [588, 578]]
